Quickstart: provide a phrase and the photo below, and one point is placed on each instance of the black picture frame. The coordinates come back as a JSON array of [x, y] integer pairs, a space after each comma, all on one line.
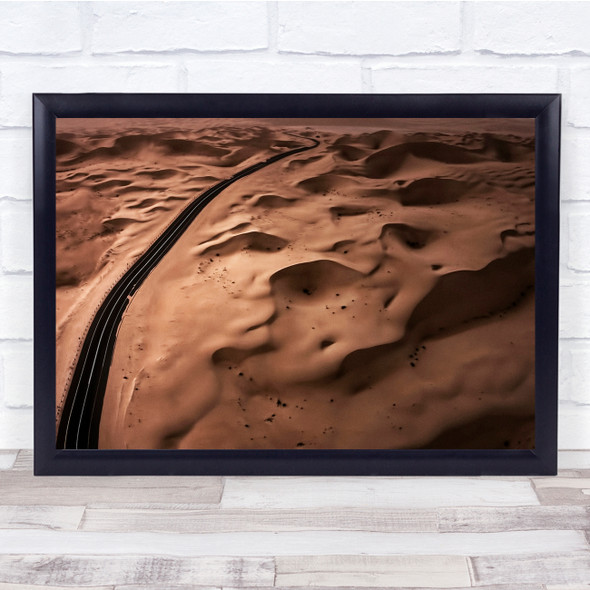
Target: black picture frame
[[544, 108]]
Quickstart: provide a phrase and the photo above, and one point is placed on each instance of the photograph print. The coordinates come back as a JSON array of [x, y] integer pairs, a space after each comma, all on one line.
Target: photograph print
[[243, 284]]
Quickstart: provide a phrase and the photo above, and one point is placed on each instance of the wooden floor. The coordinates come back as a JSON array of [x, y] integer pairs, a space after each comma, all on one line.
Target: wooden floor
[[512, 533]]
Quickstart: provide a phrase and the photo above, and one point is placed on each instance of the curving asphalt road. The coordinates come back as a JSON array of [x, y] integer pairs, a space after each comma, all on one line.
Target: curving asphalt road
[[80, 418]]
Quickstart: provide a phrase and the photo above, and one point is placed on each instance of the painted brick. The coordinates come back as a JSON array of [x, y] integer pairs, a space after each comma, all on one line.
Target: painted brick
[[369, 28], [449, 78], [574, 382], [531, 28], [16, 307], [16, 236], [20, 81], [575, 171], [579, 241], [46, 28], [16, 159], [578, 112], [574, 311], [273, 76], [171, 26], [16, 429], [17, 384], [573, 431]]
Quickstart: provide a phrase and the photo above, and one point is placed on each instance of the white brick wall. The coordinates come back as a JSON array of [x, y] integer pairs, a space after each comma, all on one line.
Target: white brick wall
[[40, 28], [369, 28], [466, 78], [307, 75], [291, 47], [16, 236], [17, 375], [579, 242], [575, 171], [522, 28], [16, 163], [16, 307], [126, 27], [578, 114]]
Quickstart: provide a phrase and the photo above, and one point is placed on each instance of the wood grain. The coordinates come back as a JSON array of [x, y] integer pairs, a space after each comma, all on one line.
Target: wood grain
[[562, 482], [135, 533], [174, 587], [283, 587], [235, 520], [567, 496], [20, 487], [83, 571], [543, 568], [44, 587], [291, 543], [447, 520], [65, 518], [386, 492], [24, 460], [563, 491], [519, 518], [366, 571]]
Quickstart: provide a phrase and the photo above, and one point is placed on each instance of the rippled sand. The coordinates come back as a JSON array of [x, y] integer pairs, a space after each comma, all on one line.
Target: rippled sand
[[374, 292], [120, 182]]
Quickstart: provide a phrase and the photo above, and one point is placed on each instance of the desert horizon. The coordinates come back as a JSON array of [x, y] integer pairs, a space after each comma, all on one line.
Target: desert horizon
[[374, 291]]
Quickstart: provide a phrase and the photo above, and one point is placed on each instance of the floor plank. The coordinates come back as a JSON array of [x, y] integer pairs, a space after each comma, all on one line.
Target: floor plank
[[519, 518], [115, 504], [179, 587], [20, 487], [134, 533], [65, 518], [290, 543], [431, 571], [567, 496], [24, 460], [542, 568], [561, 482], [235, 520], [176, 587], [80, 571], [390, 492], [569, 473], [563, 491], [7, 459], [448, 520], [44, 587], [574, 459], [348, 587]]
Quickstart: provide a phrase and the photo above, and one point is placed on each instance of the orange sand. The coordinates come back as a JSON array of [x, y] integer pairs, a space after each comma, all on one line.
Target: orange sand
[[374, 292], [120, 182]]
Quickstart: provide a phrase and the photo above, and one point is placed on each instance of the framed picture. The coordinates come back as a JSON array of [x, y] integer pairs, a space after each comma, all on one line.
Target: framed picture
[[296, 284]]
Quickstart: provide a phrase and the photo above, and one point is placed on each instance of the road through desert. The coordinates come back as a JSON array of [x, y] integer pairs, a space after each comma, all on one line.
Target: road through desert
[[376, 291]]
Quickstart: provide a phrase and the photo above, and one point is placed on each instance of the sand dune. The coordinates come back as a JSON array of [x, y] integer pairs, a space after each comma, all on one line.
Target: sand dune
[[374, 292], [433, 191], [119, 184], [387, 161]]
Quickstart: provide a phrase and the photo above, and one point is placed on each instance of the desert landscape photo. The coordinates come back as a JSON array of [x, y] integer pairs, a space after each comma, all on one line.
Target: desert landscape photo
[[295, 283]]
